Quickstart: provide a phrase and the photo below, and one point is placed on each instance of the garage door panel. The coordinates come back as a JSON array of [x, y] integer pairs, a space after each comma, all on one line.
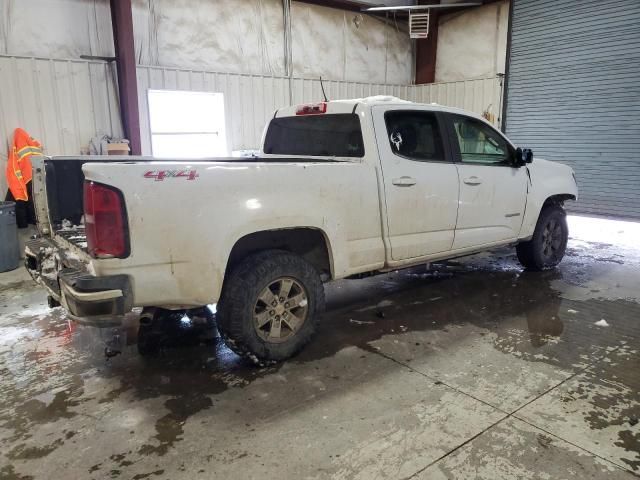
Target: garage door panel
[[541, 10], [573, 95], [616, 84], [573, 54], [586, 105]]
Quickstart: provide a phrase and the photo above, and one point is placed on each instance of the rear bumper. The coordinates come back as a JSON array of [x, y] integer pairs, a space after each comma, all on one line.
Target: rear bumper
[[94, 299], [87, 298]]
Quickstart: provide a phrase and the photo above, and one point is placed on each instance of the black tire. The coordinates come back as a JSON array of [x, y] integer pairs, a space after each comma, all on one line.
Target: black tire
[[240, 301], [549, 242]]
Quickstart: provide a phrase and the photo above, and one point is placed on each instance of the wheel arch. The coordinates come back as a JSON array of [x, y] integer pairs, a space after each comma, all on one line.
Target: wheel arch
[[311, 243], [557, 199]]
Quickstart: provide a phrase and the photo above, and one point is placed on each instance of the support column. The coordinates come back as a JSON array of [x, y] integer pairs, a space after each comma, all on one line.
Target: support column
[[427, 48], [122, 23]]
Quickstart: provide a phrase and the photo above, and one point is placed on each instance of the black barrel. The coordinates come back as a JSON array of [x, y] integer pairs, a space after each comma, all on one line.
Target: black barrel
[[9, 245]]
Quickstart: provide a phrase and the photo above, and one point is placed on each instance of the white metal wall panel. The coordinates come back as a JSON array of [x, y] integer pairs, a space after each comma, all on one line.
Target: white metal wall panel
[[250, 100], [574, 95], [481, 96], [62, 103]]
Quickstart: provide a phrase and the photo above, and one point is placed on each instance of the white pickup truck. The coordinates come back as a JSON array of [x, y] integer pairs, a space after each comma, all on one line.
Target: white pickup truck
[[341, 188]]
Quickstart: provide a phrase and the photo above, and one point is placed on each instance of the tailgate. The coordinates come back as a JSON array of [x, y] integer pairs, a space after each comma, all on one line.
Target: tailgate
[[58, 194]]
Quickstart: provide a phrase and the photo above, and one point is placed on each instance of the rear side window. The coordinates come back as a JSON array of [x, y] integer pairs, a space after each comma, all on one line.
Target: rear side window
[[415, 135], [325, 135]]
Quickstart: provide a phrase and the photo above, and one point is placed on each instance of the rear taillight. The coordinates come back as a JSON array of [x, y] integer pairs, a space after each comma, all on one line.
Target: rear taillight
[[105, 221], [311, 109]]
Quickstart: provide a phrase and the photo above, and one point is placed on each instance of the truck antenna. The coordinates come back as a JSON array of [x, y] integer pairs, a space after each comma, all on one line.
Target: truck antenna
[[323, 92]]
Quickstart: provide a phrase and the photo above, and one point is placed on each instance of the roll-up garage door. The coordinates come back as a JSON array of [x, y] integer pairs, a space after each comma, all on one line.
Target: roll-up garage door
[[573, 95]]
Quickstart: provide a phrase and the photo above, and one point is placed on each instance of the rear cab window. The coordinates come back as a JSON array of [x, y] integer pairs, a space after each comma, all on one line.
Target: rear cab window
[[323, 135]]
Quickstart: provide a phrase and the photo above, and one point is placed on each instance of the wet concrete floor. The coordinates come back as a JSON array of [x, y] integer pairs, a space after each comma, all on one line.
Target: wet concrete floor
[[473, 369]]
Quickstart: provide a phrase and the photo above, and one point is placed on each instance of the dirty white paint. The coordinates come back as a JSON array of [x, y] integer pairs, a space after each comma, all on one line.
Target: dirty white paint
[[473, 43]]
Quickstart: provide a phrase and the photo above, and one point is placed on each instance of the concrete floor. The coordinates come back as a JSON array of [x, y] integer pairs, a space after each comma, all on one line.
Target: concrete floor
[[472, 370]]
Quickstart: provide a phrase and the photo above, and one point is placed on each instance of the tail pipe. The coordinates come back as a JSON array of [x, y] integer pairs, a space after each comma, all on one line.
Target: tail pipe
[[147, 316]]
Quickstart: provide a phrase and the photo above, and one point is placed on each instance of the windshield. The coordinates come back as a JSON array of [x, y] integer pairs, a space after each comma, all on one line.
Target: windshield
[[332, 135]]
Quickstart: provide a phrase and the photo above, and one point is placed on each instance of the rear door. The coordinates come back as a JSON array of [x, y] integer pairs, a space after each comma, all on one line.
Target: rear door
[[493, 192], [420, 181]]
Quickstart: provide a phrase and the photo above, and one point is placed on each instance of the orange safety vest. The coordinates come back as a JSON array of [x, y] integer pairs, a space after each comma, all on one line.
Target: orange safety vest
[[19, 172]]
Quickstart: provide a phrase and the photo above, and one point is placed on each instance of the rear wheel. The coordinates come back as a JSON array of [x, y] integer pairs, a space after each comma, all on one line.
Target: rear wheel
[[270, 305], [549, 242]]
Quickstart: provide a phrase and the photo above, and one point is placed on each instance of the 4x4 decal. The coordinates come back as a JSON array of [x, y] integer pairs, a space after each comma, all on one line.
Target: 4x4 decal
[[160, 175]]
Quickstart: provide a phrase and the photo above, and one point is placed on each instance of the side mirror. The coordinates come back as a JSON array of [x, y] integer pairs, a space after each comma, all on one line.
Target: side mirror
[[523, 156]]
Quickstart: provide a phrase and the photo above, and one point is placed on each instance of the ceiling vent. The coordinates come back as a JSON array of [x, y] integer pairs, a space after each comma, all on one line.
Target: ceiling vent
[[419, 25]]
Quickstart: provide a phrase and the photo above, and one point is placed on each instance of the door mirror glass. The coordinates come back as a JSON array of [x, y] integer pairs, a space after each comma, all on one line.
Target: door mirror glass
[[523, 156]]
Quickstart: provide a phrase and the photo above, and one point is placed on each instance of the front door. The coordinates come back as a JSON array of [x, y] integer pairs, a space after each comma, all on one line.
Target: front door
[[420, 182], [493, 192]]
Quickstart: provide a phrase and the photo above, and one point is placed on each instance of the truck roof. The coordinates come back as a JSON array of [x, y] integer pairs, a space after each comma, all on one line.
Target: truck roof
[[349, 105]]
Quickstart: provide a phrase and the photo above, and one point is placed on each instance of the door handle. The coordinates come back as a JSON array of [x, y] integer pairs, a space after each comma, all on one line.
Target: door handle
[[404, 181], [473, 180]]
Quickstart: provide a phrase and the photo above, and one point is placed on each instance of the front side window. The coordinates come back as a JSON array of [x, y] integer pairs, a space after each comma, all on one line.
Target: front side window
[[479, 143], [325, 135], [414, 135]]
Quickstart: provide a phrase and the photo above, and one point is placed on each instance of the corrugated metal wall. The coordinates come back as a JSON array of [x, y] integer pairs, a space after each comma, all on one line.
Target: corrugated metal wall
[[574, 95], [250, 100], [62, 103], [483, 96]]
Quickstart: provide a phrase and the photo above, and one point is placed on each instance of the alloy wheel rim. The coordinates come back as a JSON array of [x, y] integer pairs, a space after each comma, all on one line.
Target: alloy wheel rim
[[280, 310]]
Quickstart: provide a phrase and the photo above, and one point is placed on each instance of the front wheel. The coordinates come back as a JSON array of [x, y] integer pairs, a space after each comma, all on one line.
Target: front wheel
[[270, 305], [549, 242]]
